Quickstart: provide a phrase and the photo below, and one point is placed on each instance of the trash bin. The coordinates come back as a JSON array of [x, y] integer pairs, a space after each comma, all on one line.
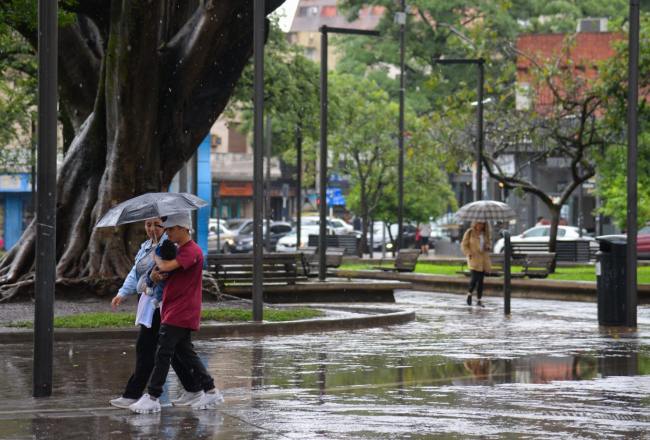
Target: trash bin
[[611, 281]]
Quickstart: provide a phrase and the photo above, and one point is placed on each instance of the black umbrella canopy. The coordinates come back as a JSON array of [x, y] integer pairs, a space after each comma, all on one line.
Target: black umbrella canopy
[[149, 205]]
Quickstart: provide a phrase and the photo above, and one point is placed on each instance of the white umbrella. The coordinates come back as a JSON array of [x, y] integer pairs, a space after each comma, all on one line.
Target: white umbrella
[[485, 211]]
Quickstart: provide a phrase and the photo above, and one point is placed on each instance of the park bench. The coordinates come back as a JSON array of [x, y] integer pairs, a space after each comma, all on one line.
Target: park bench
[[539, 264], [237, 269], [566, 250], [333, 258], [405, 261], [350, 243], [497, 262], [534, 265]]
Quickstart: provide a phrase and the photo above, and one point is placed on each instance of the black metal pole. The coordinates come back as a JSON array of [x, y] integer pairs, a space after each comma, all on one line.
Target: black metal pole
[[479, 129], [267, 184], [258, 159], [298, 184], [400, 166], [46, 207], [632, 138], [219, 217], [33, 170], [507, 258], [322, 236]]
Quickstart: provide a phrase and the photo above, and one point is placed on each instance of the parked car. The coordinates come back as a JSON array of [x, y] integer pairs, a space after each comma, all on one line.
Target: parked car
[[383, 238], [225, 236], [341, 227], [244, 240], [288, 242], [235, 225], [542, 234], [643, 243]]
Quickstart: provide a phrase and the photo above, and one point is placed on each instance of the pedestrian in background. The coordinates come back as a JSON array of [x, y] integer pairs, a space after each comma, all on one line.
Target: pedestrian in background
[[476, 245], [425, 233]]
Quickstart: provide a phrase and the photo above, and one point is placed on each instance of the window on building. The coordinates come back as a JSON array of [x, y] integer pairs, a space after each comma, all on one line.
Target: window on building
[[328, 11], [308, 11], [236, 140]]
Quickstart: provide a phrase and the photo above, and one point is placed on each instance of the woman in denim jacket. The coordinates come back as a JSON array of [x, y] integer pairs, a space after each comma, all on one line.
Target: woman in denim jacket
[[148, 318]]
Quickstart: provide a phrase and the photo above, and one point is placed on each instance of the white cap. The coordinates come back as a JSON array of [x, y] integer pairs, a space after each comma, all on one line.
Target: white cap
[[182, 219]]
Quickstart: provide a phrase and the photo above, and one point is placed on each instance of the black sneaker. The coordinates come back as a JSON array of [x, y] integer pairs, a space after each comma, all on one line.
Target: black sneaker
[[480, 303], [469, 299]]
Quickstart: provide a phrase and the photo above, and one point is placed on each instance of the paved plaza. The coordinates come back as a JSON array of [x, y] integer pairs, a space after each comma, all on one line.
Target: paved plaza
[[548, 371]]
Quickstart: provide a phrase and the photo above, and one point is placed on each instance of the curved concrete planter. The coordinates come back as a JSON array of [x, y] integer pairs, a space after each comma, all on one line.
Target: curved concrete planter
[[375, 317]]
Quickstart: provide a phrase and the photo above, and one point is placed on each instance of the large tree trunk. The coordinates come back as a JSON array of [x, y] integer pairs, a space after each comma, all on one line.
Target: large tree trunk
[[166, 71]]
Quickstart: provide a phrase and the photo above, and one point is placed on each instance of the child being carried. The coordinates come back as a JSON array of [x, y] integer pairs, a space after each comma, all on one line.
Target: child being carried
[[166, 251]]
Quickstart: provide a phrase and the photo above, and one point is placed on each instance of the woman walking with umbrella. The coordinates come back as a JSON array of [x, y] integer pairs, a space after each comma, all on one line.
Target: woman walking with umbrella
[[477, 243], [476, 246]]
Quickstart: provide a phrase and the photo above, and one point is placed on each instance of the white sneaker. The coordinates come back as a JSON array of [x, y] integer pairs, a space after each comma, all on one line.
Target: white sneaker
[[146, 405], [188, 398], [209, 400], [122, 402]]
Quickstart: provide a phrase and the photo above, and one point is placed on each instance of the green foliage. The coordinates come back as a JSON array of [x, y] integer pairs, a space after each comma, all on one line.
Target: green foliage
[[363, 145], [17, 99], [291, 99], [125, 319], [612, 84]]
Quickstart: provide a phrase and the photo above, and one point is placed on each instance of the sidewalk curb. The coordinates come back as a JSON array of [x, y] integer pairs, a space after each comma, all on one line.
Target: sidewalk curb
[[381, 317]]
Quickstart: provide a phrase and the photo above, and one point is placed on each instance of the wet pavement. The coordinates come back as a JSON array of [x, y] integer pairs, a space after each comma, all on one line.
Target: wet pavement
[[548, 371]]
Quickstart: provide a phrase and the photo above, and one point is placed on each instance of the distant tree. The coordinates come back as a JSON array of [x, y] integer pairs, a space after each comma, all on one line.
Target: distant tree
[[612, 163]]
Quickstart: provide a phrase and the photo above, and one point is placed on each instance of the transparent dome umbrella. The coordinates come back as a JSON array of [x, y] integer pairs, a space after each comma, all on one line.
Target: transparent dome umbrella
[[149, 205], [485, 211]]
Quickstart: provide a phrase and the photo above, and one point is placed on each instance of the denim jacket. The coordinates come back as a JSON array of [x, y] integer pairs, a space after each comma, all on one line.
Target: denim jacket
[[129, 287]]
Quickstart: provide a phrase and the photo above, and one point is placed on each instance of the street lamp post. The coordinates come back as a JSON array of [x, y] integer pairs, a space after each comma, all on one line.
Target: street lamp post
[[480, 63], [258, 157], [632, 139], [322, 236], [44, 283], [400, 17]]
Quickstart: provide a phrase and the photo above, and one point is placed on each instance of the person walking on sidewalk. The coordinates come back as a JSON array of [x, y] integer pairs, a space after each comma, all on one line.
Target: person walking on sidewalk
[[148, 319], [476, 247], [180, 315], [425, 233]]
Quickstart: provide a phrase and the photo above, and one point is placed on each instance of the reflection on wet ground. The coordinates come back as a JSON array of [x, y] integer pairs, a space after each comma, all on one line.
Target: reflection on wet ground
[[456, 372]]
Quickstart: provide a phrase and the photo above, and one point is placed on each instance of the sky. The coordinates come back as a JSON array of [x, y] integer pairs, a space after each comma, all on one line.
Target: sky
[[286, 12]]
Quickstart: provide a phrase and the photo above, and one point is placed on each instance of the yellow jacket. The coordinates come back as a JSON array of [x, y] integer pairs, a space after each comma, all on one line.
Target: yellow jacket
[[477, 259]]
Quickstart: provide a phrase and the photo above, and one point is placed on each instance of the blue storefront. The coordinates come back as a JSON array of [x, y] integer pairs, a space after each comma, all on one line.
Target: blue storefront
[[15, 207]]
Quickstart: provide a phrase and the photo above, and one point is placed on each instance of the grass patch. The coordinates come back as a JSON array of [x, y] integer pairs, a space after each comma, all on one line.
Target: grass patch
[[125, 319], [576, 273]]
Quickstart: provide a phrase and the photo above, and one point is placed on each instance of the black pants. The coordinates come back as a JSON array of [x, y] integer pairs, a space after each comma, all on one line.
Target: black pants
[[176, 343], [477, 282], [145, 353]]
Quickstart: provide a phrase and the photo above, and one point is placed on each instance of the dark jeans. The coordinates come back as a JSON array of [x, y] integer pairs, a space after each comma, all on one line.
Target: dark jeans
[[176, 342], [477, 282], [145, 352]]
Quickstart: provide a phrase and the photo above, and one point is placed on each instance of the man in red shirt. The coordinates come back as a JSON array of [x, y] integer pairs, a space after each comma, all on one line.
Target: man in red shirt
[[180, 315]]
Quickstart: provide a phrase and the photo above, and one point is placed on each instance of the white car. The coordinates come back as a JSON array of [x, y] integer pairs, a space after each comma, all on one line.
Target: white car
[[288, 242], [542, 234], [225, 236]]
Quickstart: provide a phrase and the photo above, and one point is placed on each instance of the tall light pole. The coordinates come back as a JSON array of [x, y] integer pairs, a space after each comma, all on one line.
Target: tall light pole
[[258, 158], [400, 18], [632, 138], [46, 195], [322, 235], [479, 62]]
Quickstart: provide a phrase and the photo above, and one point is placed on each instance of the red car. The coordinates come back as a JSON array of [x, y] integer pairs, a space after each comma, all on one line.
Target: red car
[[643, 243]]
